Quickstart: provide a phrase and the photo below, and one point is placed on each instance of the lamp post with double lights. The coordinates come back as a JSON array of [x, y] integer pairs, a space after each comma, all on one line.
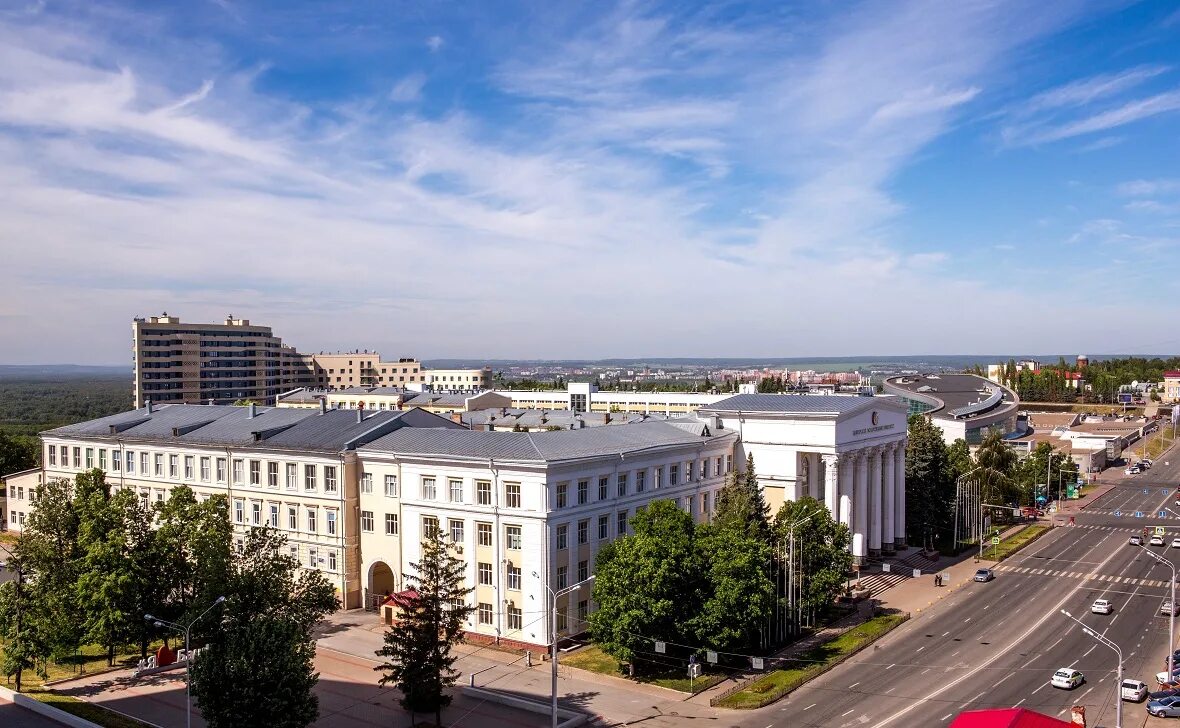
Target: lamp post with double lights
[[553, 597], [1172, 604], [186, 629], [1118, 685]]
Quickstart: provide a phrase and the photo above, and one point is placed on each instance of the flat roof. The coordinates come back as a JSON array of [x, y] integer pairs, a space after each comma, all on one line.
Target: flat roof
[[800, 404], [954, 391]]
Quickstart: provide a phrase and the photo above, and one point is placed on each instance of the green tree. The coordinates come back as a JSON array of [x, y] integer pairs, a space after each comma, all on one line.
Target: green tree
[[738, 594], [930, 490], [25, 647], [258, 668], [821, 553], [648, 585], [995, 467], [741, 504], [959, 458], [1044, 464], [418, 646], [193, 543], [17, 453]]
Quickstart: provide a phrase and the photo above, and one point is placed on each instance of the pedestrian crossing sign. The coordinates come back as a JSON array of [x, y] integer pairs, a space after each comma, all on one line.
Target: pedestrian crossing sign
[[1159, 530]]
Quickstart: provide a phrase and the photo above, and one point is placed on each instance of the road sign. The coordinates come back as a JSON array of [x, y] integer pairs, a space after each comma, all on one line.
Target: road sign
[[756, 663], [1145, 491], [1139, 514], [885, 567], [1163, 514], [995, 540], [917, 573], [711, 657], [1118, 513], [661, 647], [1159, 530]]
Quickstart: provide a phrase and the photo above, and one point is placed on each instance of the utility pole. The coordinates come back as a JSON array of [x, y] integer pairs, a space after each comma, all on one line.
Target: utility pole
[[1171, 612], [1118, 697]]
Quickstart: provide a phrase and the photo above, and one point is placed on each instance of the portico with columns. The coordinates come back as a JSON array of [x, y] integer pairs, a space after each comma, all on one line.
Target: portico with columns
[[846, 451]]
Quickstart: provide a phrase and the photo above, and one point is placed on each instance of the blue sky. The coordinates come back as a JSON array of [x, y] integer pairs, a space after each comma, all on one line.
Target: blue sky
[[512, 180]]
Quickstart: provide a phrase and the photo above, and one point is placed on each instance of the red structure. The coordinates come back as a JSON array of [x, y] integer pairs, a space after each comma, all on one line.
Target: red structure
[[1007, 718]]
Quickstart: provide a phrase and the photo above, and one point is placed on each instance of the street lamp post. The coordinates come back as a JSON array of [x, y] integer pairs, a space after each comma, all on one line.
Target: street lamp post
[[1172, 611], [1118, 686], [791, 605], [157, 622], [553, 597]]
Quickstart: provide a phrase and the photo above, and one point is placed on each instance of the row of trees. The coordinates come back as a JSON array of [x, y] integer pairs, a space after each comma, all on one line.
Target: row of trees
[[92, 562], [715, 584]]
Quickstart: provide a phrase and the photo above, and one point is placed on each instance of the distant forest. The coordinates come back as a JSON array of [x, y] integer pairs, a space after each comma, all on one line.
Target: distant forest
[[31, 404]]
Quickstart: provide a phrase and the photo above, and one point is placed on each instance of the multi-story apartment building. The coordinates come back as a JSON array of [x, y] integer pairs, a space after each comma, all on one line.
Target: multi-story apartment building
[[342, 370], [200, 363], [294, 469], [527, 510], [459, 380]]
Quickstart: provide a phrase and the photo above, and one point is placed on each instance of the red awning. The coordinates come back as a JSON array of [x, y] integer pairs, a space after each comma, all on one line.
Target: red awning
[[1007, 718], [401, 598]]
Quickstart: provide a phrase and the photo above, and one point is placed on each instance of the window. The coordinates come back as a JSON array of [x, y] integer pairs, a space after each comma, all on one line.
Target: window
[[562, 621], [483, 534], [292, 476], [603, 528], [292, 518], [512, 495], [583, 531], [313, 558], [237, 471], [255, 472], [90, 459], [515, 619], [705, 503], [717, 466], [514, 577], [116, 459], [256, 514], [512, 535], [602, 485], [583, 570], [130, 462], [330, 521], [52, 453], [690, 471], [274, 516], [220, 470], [485, 613], [583, 492], [563, 536], [583, 610], [728, 463], [173, 466], [621, 528], [562, 495], [390, 524], [429, 526], [483, 492], [312, 520], [391, 486], [622, 484], [640, 480], [563, 573], [188, 467], [329, 478], [673, 475], [78, 459], [331, 561], [485, 574], [429, 491], [457, 529], [366, 482], [455, 486], [239, 511], [102, 458], [367, 521], [272, 475]]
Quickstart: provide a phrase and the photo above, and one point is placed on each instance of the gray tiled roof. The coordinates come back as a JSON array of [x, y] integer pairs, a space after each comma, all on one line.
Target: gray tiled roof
[[159, 422], [538, 446], [238, 428], [792, 404]]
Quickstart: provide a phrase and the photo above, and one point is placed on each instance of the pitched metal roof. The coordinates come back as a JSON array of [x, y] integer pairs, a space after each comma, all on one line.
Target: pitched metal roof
[[539, 446], [157, 423], [805, 404]]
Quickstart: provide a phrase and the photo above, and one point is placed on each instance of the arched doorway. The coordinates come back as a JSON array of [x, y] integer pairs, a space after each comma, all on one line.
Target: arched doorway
[[381, 583]]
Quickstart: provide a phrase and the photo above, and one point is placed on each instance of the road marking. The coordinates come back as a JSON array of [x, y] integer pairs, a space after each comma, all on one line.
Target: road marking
[[891, 666], [853, 685], [965, 621], [997, 683], [1040, 688], [924, 671], [844, 714], [1090, 650], [947, 716], [811, 706], [920, 648], [985, 608], [944, 634], [1018, 704]]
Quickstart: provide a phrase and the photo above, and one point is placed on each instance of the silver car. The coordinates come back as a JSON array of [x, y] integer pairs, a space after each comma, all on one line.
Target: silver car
[[1165, 707]]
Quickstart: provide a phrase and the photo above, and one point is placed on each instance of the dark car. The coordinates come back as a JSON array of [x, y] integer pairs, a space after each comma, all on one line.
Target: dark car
[[1161, 694]]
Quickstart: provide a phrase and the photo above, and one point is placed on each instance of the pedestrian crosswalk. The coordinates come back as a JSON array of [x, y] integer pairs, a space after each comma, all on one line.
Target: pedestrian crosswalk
[[1106, 578]]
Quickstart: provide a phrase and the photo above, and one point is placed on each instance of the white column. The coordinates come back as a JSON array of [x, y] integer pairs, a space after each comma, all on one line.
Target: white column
[[887, 494], [832, 484], [899, 495], [874, 501], [814, 481], [847, 486], [860, 508]]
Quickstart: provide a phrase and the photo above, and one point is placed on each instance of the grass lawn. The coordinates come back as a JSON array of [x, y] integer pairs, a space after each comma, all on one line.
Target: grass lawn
[[1015, 542], [91, 659], [595, 660], [811, 664], [93, 713]]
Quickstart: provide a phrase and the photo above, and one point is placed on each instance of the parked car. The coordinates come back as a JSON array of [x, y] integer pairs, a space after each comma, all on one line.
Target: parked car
[[1157, 541], [1158, 694], [1101, 606], [1143, 464], [1133, 470], [1168, 609], [1136, 540], [1165, 681], [1068, 678], [1165, 707], [984, 575], [1135, 690]]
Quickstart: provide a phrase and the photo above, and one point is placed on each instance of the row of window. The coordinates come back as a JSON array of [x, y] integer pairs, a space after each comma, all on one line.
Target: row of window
[[485, 615], [204, 468], [428, 489], [257, 516], [636, 481], [456, 528]]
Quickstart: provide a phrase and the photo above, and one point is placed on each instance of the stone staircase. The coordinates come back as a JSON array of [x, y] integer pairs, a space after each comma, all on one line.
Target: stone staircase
[[900, 569]]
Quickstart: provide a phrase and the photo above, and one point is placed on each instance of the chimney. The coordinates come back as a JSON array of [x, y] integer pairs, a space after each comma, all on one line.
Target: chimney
[[210, 401], [606, 418], [457, 418], [252, 411], [149, 406], [323, 405], [360, 415]]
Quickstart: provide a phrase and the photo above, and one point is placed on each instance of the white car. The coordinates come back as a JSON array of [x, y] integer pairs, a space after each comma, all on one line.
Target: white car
[[1167, 608], [1136, 540], [1101, 606], [1134, 690], [1157, 541], [1176, 543], [1067, 678], [1133, 470]]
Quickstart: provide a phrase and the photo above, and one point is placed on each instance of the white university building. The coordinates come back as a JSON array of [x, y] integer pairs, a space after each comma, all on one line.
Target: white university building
[[354, 491]]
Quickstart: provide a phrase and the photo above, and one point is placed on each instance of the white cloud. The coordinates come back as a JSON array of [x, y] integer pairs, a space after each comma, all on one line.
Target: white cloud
[[434, 43], [409, 88]]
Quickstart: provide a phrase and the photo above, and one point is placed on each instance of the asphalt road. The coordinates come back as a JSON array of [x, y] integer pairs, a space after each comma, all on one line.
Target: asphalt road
[[997, 644]]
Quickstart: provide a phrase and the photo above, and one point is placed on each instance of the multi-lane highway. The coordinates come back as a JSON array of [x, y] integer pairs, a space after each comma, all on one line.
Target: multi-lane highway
[[997, 644]]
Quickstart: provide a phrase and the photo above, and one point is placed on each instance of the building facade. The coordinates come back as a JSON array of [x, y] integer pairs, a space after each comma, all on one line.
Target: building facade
[[963, 406], [459, 380]]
